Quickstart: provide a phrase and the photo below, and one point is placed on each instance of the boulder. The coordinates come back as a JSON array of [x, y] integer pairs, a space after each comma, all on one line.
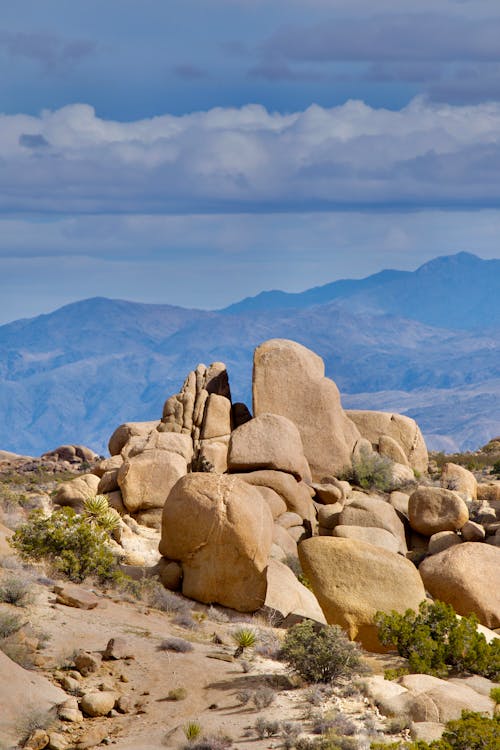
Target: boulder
[[329, 493], [367, 510], [404, 430], [450, 698], [276, 504], [376, 536], [289, 380], [220, 529], [459, 479], [352, 580], [268, 441], [217, 417], [328, 516], [125, 431], [288, 599], [488, 493], [107, 464], [392, 450], [146, 480], [74, 596], [98, 704], [441, 541], [467, 576], [296, 495], [284, 541], [427, 731], [108, 483], [433, 509], [472, 532], [76, 491]]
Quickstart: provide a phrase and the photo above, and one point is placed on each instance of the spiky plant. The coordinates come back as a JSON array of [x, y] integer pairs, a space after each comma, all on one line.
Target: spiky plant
[[192, 730], [96, 511], [244, 638]]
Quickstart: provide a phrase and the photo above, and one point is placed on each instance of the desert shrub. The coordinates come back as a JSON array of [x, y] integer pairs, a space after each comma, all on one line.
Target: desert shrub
[[435, 641], [179, 645], [473, 731], [244, 638], [330, 742], [266, 728], [495, 468], [17, 589], [9, 623], [339, 725], [268, 644], [185, 620], [177, 694], [31, 720], [317, 694], [217, 615], [320, 656], [74, 547], [211, 742], [263, 697], [495, 695], [370, 470]]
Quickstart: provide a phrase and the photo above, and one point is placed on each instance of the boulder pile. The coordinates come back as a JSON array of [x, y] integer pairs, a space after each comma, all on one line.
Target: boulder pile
[[235, 499]]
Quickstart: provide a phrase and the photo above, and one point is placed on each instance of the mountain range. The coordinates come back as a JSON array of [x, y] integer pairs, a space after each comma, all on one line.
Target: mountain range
[[425, 343]]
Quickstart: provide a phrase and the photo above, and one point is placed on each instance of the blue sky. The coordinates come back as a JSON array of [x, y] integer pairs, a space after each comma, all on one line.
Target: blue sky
[[200, 151]]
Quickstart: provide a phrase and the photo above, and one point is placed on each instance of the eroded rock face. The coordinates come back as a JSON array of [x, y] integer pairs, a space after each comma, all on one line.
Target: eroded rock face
[[76, 491], [288, 598], [268, 441], [352, 580], [220, 529], [296, 495], [434, 509], [289, 380], [125, 431], [459, 479], [467, 576], [405, 431]]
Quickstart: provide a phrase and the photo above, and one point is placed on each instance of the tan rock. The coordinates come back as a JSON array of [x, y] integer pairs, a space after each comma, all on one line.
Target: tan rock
[[125, 431], [352, 580], [268, 441], [90, 737], [328, 515], [370, 534], [220, 529], [98, 704], [433, 509], [330, 493], [392, 450], [118, 648], [296, 495], [288, 519], [76, 491], [146, 479], [450, 698], [466, 576], [442, 540], [5, 535], [276, 504], [57, 741], [427, 731], [170, 574], [488, 493], [399, 501], [150, 518], [367, 510], [87, 662], [115, 501], [108, 483], [404, 430], [74, 596], [289, 380], [284, 541], [459, 479], [214, 451], [37, 740], [217, 417], [472, 532], [69, 711], [107, 464], [288, 598]]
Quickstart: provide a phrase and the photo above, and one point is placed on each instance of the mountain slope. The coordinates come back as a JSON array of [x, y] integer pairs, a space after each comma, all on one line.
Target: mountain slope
[[73, 375]]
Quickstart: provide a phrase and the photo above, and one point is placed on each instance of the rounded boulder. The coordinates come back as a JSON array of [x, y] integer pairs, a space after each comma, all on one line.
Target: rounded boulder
[[434, 509]]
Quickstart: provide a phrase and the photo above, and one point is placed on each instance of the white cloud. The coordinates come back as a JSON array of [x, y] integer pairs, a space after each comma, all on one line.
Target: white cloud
[[249, 159]]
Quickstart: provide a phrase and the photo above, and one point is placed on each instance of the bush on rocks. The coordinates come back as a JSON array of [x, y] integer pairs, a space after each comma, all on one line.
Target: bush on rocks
[[435, 641]]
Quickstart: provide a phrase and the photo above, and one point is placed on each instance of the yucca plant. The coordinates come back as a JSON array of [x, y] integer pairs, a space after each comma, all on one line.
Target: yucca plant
[[96, 511], [244, 638], [192, 730]]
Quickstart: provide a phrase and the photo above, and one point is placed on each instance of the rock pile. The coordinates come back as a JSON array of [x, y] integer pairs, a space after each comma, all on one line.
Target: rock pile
[[231, 497]]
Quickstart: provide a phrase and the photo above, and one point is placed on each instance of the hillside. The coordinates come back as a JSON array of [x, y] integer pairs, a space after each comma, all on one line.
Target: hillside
[[410, 341]]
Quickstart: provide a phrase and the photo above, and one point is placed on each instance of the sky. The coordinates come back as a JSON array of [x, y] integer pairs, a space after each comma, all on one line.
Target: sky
[[195, 152]]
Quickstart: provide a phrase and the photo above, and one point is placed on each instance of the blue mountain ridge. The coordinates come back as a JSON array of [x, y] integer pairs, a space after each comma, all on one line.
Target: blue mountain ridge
[[418, 342]]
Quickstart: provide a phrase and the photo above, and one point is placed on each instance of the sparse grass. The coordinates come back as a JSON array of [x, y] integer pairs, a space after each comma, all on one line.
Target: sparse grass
[[211, 742], [263, 697], [216, 615], [266, 728], [192, 730], [179, 645], [16, 589], [177, 694], [9, 623], [32, 720]]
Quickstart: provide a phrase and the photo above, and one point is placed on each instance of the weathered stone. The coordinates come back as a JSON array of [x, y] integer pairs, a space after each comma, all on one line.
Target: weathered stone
[[224, 552], [289, 380], [69, 711], [118, 648], [170, 574], [366, 510], [107, 464], [451, 699], [488, 493], [146, 479], [98, 704], [370, 534], [74, 596], [472, 532], [57, 741], [352, 580], [399, 501], [108, 482], [297, 495], [287, 598], [328, 515], [466, 576], [392, 450], [288, 519], [268, 441], [90, 737], [37, 740], [433, 509], [284, 541], [150, 518], [402, 429], [124, 432], [87, 663], [442, 540], [459, 479], [217, 417], [328, 494], [276, 504], [427, 731], [76, 491]]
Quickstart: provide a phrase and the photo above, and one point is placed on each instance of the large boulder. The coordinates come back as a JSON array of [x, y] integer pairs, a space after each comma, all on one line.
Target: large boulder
[[371, 534], [289, 379], [461, 480], [365, 510], [296, 495], [287, 599], [433, 509], [220, 529], [268, 441], [405, 431], [76, 491], [352, 580], [467, 576], [450, 698], [124, 432]]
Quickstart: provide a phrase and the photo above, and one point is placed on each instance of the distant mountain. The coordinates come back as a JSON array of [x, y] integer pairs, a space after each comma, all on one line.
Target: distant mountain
[[426, 343]]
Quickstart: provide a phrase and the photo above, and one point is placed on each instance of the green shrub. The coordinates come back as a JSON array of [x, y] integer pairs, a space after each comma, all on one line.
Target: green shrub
[[495, 695], [177, 694], [473, 731], [192, 730], [370, 470], [244, 638], [496, 468], [435, 641], [320, 656], [74, 547]]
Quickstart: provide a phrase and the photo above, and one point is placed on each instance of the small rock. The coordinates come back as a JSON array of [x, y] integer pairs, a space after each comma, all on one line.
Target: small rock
[[473, 532], [91, 737], [69, 711], [70, 685], [118, 648], [98, 704], [125, 704], [87, 663], [57, 741], [74, 596], [37, 740], [442, 540]]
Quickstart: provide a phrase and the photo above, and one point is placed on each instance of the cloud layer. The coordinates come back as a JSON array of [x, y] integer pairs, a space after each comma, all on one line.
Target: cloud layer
[[251, 160]]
